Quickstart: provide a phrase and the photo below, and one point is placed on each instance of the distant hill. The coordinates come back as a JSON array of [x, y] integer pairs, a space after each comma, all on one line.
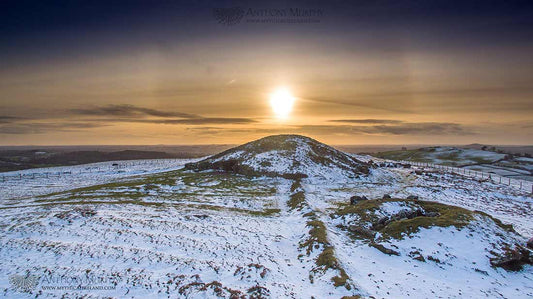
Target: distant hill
[[475, 157], [506, 149], [25, 157], [16, 160], [444, 155]]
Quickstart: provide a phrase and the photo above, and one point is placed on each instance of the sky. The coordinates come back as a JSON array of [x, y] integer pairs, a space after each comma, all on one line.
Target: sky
[[205, 72]]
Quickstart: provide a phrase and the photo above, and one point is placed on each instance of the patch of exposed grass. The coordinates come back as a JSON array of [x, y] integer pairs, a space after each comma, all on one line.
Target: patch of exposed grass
[[140, 187], [296, 200], [418, 155], [262, 213], [480, 160], [450, 156], [341, 280], [297, 184], [506, 227], [317, 236], [265, 212], [327, 259], [361, 209], [447, 216], [165, 178]]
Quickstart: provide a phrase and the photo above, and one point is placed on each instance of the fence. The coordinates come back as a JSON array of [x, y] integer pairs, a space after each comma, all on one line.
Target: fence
[[83, 169], [489, 177]]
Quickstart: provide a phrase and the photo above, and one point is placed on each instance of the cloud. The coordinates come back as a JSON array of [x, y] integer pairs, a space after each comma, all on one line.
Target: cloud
[[398, 128], [368, 121], [130, 110], [428, 128], [40, 128], [198, 120], [424, 128], [127, 112], [4, 119], [382, 104]]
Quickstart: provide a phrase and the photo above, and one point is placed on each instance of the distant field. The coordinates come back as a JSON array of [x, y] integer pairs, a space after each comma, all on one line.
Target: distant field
[[501, 162], [26, 157]]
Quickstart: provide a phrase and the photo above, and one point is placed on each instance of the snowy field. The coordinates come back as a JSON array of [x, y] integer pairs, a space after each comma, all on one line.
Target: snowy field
[[510, 166], [153, 230], [38, 181]]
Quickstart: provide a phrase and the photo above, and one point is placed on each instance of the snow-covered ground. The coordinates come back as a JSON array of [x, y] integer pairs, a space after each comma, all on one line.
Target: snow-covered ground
[[486, 161], [39, 181], [158, 231], [443, 155]]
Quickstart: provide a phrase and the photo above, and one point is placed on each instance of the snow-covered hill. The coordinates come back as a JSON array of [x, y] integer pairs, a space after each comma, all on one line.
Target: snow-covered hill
[[179, 233], [508, 165], [445, 155], [288, 156]]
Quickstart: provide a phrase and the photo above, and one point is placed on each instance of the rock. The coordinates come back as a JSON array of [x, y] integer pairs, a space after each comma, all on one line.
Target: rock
[[86, 212], [419, 172], [355, 199], [419, 212], [365, 232], [432, 214], [416, 255], [381, 223], [513, 259], [530, 243], [384, 249], [414, 197], [403, 214], [75, 213], [383, 220], [386, 196]]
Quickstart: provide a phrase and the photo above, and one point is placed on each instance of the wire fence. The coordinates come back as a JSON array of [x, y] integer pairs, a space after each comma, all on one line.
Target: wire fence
[[481, 175], [118, 166], [102, 167]]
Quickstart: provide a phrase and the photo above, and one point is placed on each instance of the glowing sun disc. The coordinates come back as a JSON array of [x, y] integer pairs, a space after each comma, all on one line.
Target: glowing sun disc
[[281, 102]]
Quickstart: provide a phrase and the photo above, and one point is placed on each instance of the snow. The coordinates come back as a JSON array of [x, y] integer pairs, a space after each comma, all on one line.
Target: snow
[[151, 245], [156, 238], [298, 158], [462, 156], [454, 276], [391, 208], [39, 181]]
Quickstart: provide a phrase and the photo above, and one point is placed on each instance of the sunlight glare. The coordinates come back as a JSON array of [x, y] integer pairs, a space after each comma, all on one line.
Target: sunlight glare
[[281, 101]]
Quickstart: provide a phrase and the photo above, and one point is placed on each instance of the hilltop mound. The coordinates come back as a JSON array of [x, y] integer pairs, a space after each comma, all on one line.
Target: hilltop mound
[[289, 156]]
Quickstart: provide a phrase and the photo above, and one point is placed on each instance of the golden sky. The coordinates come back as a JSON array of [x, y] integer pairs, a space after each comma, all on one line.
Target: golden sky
[[370, 85]]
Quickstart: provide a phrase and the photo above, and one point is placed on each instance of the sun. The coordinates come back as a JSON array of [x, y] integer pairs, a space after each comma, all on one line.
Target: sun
[[281, 101]]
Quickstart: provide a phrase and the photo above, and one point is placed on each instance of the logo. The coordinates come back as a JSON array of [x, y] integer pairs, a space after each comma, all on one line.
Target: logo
[[228, 16], [24, 283]]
